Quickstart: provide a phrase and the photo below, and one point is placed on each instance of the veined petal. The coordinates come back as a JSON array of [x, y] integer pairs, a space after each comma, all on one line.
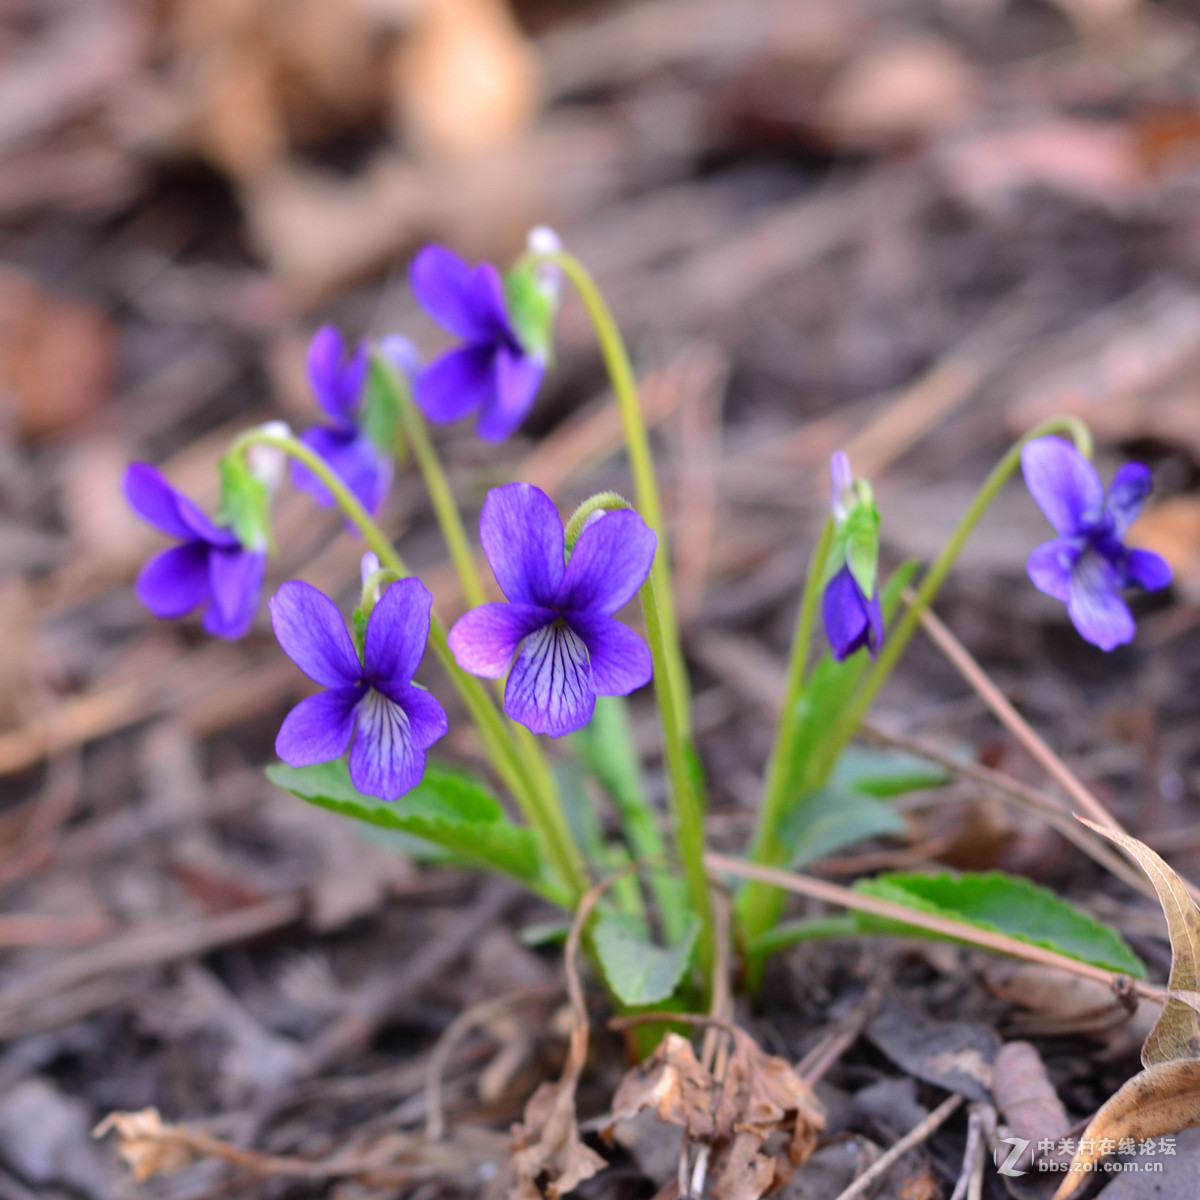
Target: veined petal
[[397, 631], [1130, 487], [550, 687], [522, 536], [426, 717], [609, 563], [176, 581], [847, 619], [469, 303], [1095, 605], [1145, 569], [1064, 484], [385, 761], [353, 458], [236, 576], [484, 640], [620, 660], [318, 729], [313, 635], [457, 383], [1049, 567], [518, 377]]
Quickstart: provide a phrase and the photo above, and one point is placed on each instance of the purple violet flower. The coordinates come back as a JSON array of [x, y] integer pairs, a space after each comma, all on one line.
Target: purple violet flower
[[1088, 564], [492, 372], [851, 620], [397, 721], [212, 567], [559, 619], [339, 381]]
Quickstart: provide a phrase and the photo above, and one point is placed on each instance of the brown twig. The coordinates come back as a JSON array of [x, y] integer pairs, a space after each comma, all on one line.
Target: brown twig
[[960, 658], [914, 1137], [1022, 797], [832, 893]]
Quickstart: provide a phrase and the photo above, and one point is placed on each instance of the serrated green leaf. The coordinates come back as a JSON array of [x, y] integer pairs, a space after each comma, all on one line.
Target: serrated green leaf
[[449, 808], [639, 971], [1006, 904], [885, 773], [831, 818]]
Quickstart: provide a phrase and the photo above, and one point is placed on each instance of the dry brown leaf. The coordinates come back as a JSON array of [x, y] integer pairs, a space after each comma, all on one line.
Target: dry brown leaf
[[144, 1141], [466, 79], [1176, 1034], [759, 1095], [907, 88], [57, 355], [546, 1144], [1026, 1097], [1162, 1099]]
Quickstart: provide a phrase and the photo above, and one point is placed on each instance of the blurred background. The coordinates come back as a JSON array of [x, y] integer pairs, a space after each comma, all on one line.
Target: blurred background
[[908, 228]]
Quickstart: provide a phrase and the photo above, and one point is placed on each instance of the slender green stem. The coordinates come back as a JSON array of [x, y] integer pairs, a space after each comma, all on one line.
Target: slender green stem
[[896, 643], [688, 811], [641, 466], [766, 847], [449, 520], [561, 850]]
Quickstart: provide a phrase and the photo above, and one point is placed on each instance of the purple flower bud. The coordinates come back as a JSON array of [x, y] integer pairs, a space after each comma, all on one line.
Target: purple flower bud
[[211, 568], [558, 622], [392, 721], [339, 380], [841, 486], [851, 620], [491, 372], [1088, 564]]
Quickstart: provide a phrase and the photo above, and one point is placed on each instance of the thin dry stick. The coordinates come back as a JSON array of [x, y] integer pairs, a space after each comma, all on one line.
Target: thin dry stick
[[1022, 797], [914, 1137], [970, 1154], [832, 893], [960, 658], [443, 1051]]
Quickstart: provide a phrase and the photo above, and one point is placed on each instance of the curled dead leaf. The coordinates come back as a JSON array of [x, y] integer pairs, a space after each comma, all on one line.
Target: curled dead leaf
[[148, 1145], [1176, 1034], [1162, 1099], [758, 1095]]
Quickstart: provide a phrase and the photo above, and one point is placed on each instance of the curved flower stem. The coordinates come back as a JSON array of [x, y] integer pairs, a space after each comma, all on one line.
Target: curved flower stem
[[548, 821], [894, 646], [760, 902], [641, 466], [449, 521]]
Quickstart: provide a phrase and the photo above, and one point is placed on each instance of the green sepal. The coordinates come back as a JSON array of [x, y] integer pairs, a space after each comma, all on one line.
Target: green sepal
[[860, 534], [530, 310], [358, 624], [245, 503], [381, 406]]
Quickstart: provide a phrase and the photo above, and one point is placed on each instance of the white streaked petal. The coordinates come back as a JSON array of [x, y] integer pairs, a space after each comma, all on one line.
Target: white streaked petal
[[550, 688]]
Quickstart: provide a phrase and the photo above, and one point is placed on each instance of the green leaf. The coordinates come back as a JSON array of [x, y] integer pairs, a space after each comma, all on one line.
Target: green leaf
[[885, 773], [1003, 904], [830, 818], [639, 971], [449, 808]]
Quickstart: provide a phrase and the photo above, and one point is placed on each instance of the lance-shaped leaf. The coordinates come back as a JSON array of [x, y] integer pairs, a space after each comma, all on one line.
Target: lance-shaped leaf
[[639, 971], [1176, 1034], [1162, 1099]]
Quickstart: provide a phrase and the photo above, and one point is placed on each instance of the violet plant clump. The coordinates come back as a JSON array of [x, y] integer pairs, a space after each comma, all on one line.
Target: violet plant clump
[[557, 651]]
